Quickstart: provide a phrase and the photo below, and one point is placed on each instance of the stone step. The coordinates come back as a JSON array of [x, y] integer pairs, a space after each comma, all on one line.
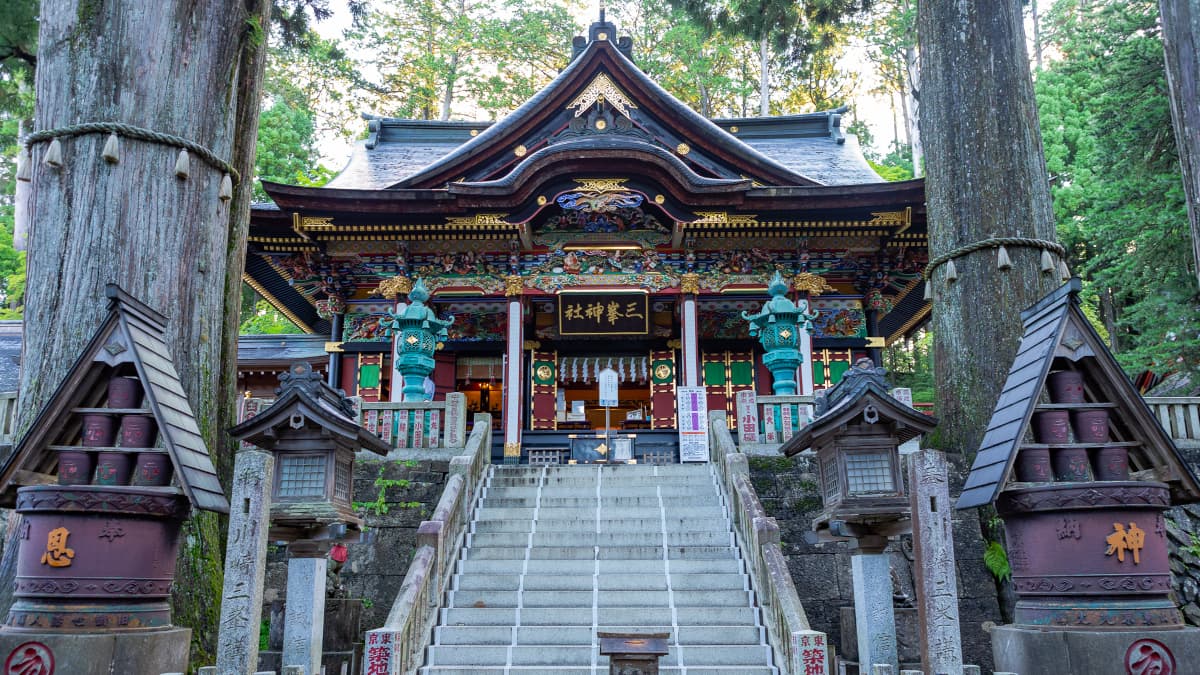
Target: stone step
[[706, 490], [584, 501], [605, 582], [606, 566], [585, 635], [606, 470], [600, 669], [605, 616], [591, 479], [577, 514], [561, 538], [652, 524], [585, 655], [602, 553], [472, 598]]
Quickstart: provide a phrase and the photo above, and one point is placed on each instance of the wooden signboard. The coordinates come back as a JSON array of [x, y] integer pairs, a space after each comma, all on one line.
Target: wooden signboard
[[604, 314]]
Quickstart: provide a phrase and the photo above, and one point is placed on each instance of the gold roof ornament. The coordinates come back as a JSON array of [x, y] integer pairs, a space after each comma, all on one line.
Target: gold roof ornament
[[599, 90], [514, 285], [601, 184], [813, 284], [393, 287], [480, 220], [724, 218], [689, 283]]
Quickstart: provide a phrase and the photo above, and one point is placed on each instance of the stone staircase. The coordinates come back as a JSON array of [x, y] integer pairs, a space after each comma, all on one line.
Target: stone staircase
[[556, 553]]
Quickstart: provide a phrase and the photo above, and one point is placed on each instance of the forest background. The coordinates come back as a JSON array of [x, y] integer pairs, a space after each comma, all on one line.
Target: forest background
[[1097, 65]]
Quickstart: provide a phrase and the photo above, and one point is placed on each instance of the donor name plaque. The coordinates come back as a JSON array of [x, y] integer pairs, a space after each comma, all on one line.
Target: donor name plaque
[[603, 314]]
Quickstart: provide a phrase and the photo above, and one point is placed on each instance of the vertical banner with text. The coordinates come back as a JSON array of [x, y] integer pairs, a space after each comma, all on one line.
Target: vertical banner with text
[[693, 424]]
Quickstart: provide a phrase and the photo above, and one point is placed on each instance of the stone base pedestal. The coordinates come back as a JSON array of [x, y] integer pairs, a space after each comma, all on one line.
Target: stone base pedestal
[[1031, 650], [151, 651]]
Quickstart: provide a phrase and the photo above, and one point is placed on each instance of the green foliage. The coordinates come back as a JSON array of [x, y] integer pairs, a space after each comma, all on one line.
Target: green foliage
[[264, 635], [769, 463], [380, 505], [266, 320], [910, 364], [1118, 195], [996, 560]]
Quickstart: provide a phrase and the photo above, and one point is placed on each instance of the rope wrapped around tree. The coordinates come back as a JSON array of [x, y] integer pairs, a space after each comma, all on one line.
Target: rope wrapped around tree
[[994, 242]]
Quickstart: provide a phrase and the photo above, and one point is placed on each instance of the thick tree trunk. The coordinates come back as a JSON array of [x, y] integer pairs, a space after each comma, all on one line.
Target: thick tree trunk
[[912, 67], [191, 68], [764, 81], [986, 177], [1181, 44]]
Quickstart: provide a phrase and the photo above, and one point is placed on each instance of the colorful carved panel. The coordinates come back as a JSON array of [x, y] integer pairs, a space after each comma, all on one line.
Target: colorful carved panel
[[839, 318], [364, 327], [662, 389]]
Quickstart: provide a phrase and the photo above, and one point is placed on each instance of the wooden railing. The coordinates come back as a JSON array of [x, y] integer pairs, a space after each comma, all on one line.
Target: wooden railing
[[397, 648], [797, 647], [1179, 416]]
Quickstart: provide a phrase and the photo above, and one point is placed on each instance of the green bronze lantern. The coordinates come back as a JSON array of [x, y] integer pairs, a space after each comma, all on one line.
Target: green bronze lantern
[[777, 326], [417, 332]]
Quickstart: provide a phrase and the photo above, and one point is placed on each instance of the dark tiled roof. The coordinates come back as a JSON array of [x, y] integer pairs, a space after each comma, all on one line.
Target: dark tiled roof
[[253, 349], [1055, 326]]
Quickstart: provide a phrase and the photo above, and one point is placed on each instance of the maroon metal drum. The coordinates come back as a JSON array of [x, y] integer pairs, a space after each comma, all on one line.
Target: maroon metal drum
[[1052, 426], [124, 392], [1091, 426], [1066, 386], [153, 469], [138, 431], [75, 468], [1090, 555], [1033, 465], [98, 430], [95, 557]]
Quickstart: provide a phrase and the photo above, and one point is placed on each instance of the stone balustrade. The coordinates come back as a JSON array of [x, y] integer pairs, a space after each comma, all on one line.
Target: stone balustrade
[[799, 648], [397, 647]]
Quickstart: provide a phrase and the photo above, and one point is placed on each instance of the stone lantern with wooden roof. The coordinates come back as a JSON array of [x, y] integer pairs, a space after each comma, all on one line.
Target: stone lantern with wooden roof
[[1081, 472], [856, 436], [310, 429], [102, 510]]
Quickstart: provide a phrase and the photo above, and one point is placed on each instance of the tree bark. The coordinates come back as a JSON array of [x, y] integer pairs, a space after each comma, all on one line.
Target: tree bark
[[764, 81], [986, 177], [1181, 45], [912, 68], [191, 68]]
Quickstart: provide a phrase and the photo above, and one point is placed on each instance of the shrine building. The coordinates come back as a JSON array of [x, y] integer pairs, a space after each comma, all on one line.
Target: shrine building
[[602, 224]]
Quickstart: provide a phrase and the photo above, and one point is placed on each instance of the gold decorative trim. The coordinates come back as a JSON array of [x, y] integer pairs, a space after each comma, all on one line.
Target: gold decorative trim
[[512, 449], [674, 344], [602, 36], [733, 130], [393, 287], [724, 218], [601, 184], [876, 342], [903, 219], [599, 90], [689, 283], [274, 302], [601, 125], [520, 151], [541, 200], [474, 132], [316, 222], [813, 284], [477, 220], [514, 285], [658, 199], [333, 347], [531, 344], [683, 148]]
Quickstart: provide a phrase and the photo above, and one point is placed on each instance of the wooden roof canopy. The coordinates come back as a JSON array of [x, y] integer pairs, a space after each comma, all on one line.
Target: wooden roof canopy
[[132, 335], [1059, 337], [416, 180]]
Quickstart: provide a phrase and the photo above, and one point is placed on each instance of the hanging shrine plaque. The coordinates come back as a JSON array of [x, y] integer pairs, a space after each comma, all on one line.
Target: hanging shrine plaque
[[603, 314]]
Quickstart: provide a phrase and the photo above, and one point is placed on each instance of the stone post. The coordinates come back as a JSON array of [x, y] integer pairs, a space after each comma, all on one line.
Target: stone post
[[456, 420], [933, 547], [304, 611], [873, 615], [245, 561]]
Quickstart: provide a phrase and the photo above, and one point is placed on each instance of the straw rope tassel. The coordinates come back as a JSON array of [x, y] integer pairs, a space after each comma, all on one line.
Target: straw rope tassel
[[182, 165], [951, 272], [53, 154], [112, 149], [1002, 260], [24, 172], [928, 290], [226, 192], [1047, 262], [1064, 272]]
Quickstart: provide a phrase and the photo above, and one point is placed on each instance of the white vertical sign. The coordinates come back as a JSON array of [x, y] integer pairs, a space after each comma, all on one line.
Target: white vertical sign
[[608, 388], [904, 395], [693, 424]]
